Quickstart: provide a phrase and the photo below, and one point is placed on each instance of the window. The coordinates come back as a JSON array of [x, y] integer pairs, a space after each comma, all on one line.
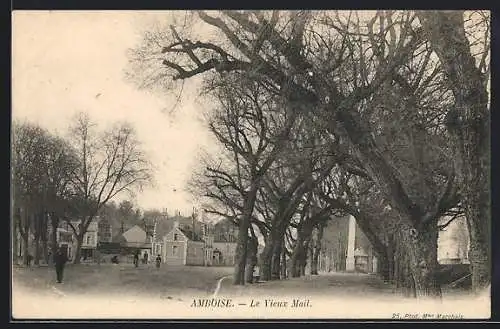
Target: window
[[157, 249], [88, 239], [174, 251], [176, 237]]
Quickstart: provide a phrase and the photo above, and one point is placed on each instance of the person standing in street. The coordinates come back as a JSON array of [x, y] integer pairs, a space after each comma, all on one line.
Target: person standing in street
[[97, 254], [60, 260], [158, 261], [136, 259], [29, 259]]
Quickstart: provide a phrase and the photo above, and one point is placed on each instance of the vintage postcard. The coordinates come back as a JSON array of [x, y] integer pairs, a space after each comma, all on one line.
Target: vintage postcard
[[251, 165]]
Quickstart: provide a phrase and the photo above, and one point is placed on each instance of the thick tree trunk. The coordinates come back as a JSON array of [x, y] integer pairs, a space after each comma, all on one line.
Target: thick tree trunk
[[340, 258], [241, 247], [398, 257], [26, 236], [417, 259], [283, 262], [38, 224], [26, 248], [468, 124], [265, 259], [278, 250], [45, 251], [276, 260], [303, 261], [386, 264], [241, 252], [478, 214], [295, 260], [53, 237], [479, 256], [251, 258], [310, 253], [304, 255], [43, 237], [15, 246], [316, 250], [314, 261], [78, 249], [249, 272], [16, 221], [299, 254], [383, 268], [37, 251], [390, 258]]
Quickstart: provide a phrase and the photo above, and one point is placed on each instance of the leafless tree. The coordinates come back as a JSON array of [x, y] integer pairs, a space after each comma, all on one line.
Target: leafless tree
[[42, 164], [110, 163], [252, 128], [464, 61], [341, 67]]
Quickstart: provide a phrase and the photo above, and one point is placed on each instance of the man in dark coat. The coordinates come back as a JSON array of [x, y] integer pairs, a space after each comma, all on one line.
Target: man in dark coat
[[136, 258], [29, 259], [158, 261], [60, 260]]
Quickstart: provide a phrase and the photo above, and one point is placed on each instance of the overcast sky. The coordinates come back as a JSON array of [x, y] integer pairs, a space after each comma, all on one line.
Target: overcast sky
[[65, 62]]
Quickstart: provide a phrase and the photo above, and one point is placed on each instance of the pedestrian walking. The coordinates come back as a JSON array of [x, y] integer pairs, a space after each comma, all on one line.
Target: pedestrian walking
[[60, 260], [158, 261], [29, 258], [98, 254], [146, 257], [136, 259]]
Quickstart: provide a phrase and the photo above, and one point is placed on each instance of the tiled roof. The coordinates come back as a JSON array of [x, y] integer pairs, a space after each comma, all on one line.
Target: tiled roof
[[118, 238], [135, 234], [189, 234], [163, 227]]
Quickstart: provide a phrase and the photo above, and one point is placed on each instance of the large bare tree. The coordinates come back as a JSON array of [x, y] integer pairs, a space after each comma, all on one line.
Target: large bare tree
[[252, 128], [110, 162], [336, 65], [468, 121]]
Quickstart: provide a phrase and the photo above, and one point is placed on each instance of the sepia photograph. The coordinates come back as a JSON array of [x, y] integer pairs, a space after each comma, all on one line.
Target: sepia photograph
[[250, 164]]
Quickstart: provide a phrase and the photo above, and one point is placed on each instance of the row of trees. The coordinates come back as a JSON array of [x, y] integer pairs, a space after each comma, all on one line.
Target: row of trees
[[57, 178], [381, 115]]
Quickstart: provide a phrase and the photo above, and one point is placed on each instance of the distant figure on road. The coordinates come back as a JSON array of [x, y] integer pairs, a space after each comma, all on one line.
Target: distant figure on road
[[29, 258], [158, 261], [60, 260], [136, 259], [115, 260], [98, 255], [146, 257]]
